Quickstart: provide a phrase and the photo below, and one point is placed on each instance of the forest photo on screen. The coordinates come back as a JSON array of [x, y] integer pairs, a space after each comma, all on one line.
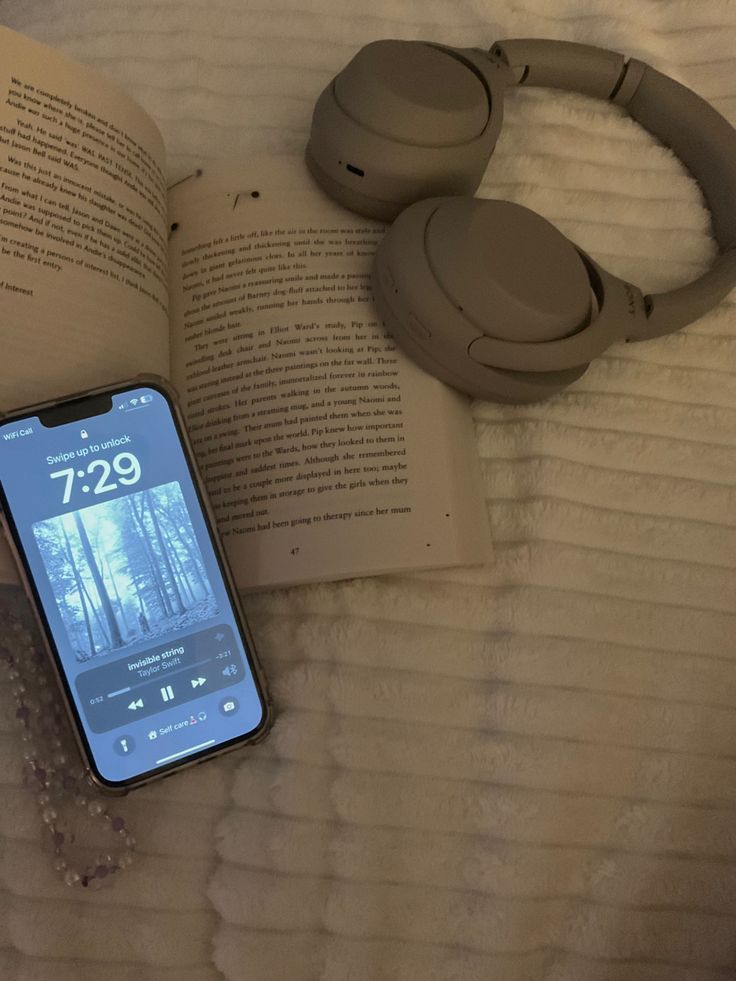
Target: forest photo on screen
[[126, 571]]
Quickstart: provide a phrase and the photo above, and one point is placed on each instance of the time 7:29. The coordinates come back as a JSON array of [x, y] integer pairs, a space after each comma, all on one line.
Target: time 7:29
[[126, 467]]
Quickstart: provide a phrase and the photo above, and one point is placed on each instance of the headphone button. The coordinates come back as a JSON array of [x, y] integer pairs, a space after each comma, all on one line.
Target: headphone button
[[417, 329]]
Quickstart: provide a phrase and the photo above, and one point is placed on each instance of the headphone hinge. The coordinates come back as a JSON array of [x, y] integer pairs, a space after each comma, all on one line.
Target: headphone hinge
[[562, 65], [631, 76]]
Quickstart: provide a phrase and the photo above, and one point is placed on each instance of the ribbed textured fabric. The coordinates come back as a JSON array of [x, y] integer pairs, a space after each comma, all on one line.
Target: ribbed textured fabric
[[525, 772]]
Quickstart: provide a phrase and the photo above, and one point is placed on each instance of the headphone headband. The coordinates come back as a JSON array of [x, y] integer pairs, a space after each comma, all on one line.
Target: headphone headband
[[702, 139]]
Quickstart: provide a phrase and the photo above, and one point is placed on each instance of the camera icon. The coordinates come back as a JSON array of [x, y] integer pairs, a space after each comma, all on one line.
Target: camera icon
[[229, 705]]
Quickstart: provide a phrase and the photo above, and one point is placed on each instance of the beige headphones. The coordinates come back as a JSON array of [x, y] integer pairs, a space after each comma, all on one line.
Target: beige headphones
[[485, 294]]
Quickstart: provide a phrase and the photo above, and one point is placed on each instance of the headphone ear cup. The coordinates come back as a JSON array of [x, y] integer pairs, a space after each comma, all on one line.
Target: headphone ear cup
[[405, 120], [452, 272]]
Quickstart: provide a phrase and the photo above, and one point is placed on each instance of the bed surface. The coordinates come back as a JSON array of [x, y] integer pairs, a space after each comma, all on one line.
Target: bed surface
[[521, 771]]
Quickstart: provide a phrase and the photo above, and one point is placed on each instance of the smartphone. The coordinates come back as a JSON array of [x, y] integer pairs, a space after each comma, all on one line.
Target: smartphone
[[116, 545]]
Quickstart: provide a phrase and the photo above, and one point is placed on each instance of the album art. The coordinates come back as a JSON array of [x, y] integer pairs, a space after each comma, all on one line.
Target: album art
[[125, 571]]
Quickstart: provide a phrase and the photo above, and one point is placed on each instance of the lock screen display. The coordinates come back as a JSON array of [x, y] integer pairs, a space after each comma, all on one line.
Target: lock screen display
[[108, 518]]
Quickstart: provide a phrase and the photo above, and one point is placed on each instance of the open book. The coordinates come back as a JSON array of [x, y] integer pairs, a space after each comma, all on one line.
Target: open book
[[326, 453]]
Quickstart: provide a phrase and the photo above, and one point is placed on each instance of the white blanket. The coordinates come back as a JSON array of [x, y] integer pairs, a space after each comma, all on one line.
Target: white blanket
[[525, 771]]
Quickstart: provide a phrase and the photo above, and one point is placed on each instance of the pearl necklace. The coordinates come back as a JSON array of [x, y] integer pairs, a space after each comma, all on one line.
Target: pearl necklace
[[52, 766]]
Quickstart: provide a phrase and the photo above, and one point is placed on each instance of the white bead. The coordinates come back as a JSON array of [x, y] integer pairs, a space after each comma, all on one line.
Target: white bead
[[95, 808], [60, 865], [71, 877], [49, 815]]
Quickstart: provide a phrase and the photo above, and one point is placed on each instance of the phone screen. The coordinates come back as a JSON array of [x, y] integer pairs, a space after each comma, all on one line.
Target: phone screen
[[117, 547]]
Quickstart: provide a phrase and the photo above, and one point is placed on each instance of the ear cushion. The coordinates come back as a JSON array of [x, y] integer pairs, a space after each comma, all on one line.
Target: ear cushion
[[405, 120], [454, 271]]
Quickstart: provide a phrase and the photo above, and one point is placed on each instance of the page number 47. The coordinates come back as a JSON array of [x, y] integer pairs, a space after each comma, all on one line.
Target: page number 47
[[295, 550]]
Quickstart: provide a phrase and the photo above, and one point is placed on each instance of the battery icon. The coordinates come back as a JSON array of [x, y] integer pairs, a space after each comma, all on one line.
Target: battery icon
[[145, 399]]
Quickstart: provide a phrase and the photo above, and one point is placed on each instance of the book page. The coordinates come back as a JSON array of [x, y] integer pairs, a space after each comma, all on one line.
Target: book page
[[326, 452], [83, 277], [83, 251]]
